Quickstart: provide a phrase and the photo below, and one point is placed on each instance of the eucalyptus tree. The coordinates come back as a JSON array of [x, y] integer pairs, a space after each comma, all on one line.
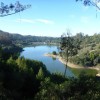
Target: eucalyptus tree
[[69, 46], [11, 9], [95, 3]]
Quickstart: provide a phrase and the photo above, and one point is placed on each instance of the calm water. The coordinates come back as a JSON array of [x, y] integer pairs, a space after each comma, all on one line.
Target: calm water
[[37, 53]]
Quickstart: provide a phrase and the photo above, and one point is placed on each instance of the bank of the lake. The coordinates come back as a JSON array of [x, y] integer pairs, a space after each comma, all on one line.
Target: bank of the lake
[[52, 65], [76, 69]]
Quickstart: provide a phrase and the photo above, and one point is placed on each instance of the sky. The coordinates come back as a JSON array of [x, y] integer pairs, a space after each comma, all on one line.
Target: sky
[[52, 18]]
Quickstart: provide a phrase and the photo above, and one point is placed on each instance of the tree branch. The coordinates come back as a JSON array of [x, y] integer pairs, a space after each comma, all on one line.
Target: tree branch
[[6, 10], [90, 2]]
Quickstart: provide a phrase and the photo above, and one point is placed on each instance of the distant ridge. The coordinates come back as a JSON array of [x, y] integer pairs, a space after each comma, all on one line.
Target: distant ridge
[[8, 38]]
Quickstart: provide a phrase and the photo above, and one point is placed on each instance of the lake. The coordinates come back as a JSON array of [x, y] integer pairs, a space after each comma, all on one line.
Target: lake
[[53, 65]]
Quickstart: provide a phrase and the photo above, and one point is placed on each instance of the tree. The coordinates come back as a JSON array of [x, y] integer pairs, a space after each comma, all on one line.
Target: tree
[[11, 9], [40, 74], [54, 53], [0, 52], [91, 2], [66, 44], [69, 46]]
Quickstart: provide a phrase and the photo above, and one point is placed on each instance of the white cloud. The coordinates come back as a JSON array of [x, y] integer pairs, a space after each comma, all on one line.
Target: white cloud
[[85, 19], [25, 20], [45, 21]]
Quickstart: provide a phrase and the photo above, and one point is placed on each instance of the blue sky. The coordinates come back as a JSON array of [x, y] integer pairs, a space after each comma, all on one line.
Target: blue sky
[[52, 18]]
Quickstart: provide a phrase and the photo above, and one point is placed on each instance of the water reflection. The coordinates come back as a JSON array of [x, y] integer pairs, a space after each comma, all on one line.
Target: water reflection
[[53, 58], [52, 64]]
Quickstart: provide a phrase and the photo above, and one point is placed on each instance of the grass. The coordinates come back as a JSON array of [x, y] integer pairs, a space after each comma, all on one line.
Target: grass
[[77, 71]]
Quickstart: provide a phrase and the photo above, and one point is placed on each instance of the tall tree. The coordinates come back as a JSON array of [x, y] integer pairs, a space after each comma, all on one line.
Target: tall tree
[[69, 46]]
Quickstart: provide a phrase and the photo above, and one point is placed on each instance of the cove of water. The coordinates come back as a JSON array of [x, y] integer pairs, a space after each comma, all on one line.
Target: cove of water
[[53, 65]]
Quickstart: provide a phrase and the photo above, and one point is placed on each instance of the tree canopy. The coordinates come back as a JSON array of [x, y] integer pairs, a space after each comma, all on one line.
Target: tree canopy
[[91, 2], [11, 9]]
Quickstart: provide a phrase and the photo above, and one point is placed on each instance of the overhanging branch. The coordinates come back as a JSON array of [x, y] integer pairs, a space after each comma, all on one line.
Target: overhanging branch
[[6, 10], [91, 2]]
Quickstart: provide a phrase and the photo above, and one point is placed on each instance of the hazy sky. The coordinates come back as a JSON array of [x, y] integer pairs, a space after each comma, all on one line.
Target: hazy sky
[[52, 18]]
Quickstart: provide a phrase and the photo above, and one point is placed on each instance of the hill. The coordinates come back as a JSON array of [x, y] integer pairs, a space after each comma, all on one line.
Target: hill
[[9, 38]]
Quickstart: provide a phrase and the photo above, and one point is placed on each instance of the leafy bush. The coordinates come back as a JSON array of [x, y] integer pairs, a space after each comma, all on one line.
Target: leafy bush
[[91, 58], [54, 53]]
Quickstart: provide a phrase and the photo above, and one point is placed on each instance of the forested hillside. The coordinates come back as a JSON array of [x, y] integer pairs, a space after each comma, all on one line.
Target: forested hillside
[[8, 38], [24, 79], [81, 49], [88, 54]]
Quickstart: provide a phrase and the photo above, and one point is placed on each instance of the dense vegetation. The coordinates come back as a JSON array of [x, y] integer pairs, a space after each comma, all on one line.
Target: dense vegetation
[[84, 51], [18, 78], [87, 53], [24, 79], [8, 38]]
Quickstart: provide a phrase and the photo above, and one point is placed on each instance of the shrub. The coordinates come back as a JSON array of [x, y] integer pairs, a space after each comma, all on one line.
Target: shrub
[[54, 53]]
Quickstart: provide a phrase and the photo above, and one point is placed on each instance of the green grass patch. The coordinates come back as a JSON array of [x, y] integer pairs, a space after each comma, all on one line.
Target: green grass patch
[[77, 71]]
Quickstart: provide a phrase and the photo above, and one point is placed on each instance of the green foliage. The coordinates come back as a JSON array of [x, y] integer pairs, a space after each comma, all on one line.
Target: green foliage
[[88, 52], [40, 74], [69, 45], [48, 91], [18, 78], [9, 51], [24, 79], [58, 78], [0, 53], [91, 58], [54, 53], [85, 88], [7, 39], [77, 71]]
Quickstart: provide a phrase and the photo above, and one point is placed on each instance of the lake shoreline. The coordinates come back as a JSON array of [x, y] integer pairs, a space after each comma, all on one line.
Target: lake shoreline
[[71, 65]]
